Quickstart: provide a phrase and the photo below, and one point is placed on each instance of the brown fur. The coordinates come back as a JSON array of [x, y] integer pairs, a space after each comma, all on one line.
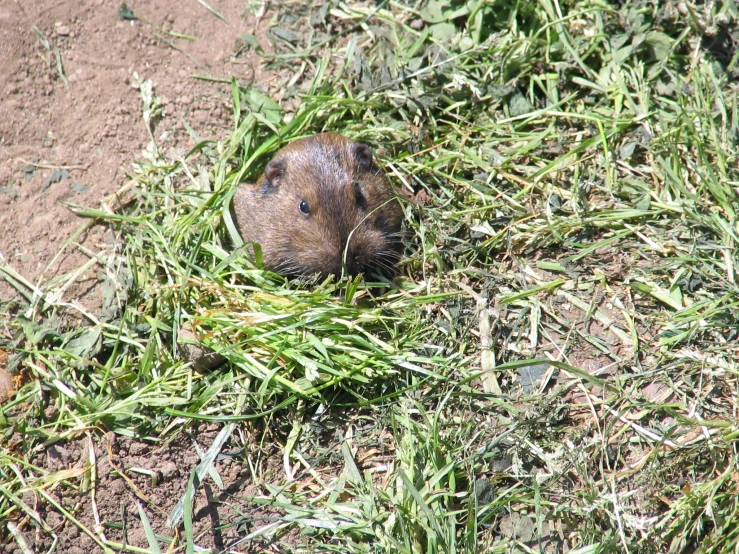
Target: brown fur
[[349, 201]]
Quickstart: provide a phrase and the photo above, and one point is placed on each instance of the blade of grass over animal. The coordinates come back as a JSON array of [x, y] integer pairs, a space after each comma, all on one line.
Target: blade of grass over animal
[[244, 137]]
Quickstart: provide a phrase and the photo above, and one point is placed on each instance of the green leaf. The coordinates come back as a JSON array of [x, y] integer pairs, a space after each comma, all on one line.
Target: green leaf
[[263, 104], [86, 343], [443, 32]]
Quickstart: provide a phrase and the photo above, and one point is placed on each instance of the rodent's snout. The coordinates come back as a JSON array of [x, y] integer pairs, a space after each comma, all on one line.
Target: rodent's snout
[[371, 254], [353, 262], [366, 254]]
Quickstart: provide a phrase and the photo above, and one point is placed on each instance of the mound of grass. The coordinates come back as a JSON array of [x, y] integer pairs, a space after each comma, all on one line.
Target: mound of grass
[[554, 367]]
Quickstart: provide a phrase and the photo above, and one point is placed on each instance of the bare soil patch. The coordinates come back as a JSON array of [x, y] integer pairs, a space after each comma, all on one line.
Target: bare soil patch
[[70, 127], [156, 477], [71, 136]]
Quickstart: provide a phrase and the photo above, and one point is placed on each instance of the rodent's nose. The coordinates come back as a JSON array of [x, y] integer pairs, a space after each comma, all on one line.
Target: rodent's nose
[[354, 262], [352, 267]]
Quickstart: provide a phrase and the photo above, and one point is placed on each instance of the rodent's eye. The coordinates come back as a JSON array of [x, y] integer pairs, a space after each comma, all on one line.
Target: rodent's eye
[[304, 209]]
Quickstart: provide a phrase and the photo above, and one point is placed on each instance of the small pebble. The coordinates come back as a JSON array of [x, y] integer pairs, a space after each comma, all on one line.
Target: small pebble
[[7, 386], [169, 471], [79, 188], [62, 31]]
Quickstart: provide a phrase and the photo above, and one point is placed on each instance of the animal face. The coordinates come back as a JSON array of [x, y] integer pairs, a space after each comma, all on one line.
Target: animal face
[[326, 208]]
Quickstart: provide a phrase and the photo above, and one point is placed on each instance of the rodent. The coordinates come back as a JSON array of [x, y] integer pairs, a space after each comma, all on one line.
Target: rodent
[[322, 206]]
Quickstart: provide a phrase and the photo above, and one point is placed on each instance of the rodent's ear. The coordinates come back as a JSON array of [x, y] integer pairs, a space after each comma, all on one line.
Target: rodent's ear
[[363, 154], [274, 171]]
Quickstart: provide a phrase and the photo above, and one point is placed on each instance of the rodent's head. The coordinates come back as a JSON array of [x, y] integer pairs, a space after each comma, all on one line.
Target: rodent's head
[[321, 206]]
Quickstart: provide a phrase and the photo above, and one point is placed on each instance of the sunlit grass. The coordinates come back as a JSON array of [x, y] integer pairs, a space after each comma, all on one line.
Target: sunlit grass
[[553, 367]]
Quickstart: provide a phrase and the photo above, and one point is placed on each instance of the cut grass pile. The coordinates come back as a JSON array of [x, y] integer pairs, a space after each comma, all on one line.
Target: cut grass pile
[[553, 369]]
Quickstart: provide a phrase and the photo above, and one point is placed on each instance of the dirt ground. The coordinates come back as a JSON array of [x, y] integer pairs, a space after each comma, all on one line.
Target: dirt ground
[[133, 475], [71, 136]]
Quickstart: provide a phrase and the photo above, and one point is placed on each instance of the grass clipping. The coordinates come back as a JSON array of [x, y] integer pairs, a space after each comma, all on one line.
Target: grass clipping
[[554, 367], [185, 276]]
